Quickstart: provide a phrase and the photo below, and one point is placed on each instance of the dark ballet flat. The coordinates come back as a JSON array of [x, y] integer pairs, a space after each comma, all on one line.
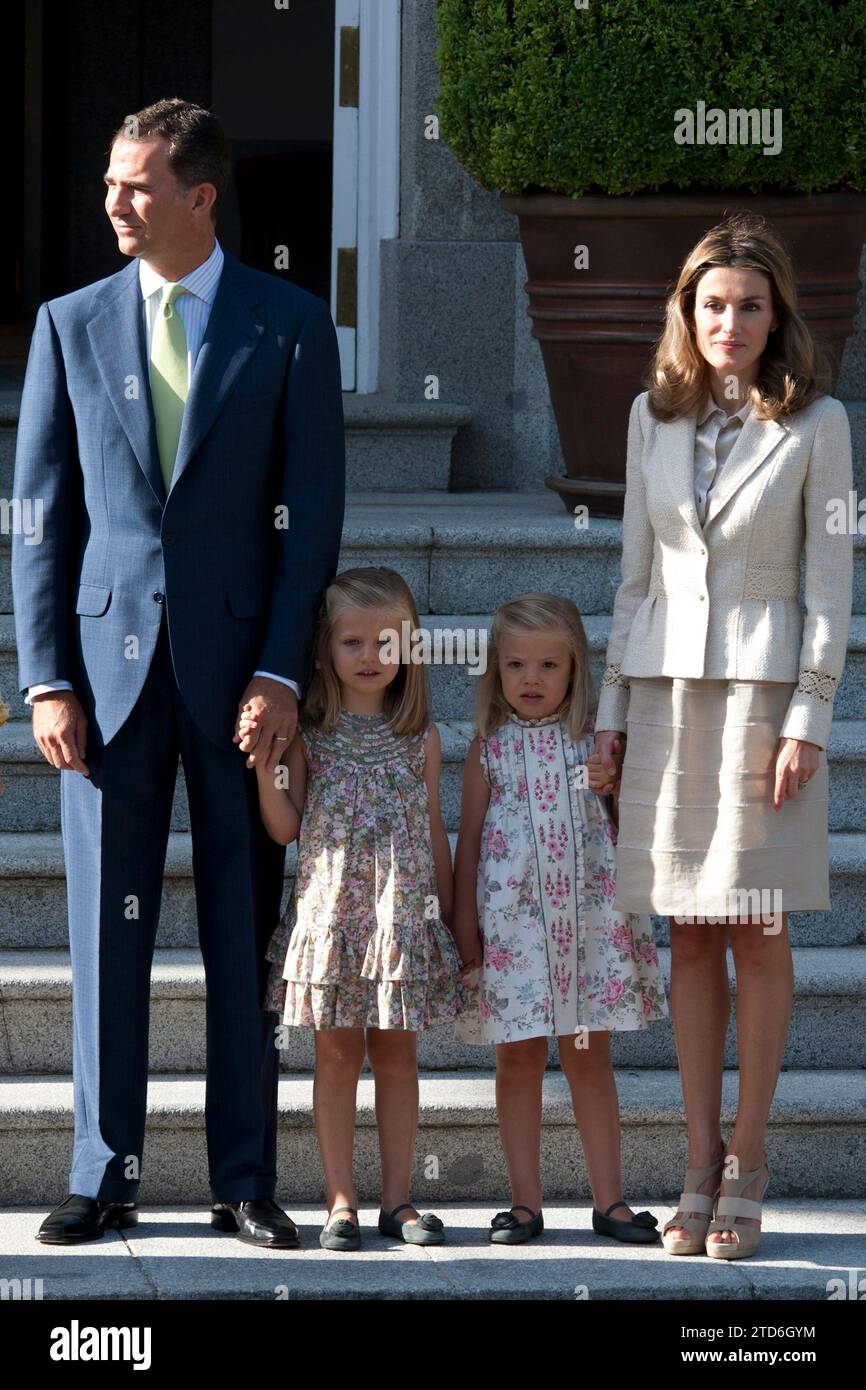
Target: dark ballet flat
[[641, 1230], [505, 1229]]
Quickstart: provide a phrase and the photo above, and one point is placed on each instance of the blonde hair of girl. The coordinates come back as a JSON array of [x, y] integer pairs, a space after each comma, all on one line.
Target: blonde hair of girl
[[536, 613], [794, 370], [406, 701], [5, 710]]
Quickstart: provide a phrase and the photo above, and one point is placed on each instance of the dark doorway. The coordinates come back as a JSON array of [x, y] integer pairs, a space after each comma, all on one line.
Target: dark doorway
[[273, 89]]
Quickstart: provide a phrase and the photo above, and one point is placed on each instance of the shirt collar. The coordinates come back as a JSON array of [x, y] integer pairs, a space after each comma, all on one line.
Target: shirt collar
[[709, 406], [202, 281]]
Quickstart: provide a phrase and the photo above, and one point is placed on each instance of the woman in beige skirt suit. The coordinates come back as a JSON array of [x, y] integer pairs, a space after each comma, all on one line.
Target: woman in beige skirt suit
[[720, 692]]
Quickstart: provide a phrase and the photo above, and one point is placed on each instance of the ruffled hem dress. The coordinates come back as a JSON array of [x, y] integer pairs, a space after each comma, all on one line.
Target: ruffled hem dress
[[361, 943], [558, 957]]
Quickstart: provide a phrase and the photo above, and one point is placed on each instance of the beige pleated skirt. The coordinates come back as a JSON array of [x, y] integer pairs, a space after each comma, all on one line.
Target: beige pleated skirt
[[698, 831]]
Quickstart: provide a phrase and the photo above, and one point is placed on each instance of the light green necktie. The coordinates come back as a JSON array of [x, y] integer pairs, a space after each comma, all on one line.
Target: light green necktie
[[169, 377]]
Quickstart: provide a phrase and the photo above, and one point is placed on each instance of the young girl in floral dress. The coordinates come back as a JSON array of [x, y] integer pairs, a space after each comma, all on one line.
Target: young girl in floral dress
[[363, 953], [534, 882]]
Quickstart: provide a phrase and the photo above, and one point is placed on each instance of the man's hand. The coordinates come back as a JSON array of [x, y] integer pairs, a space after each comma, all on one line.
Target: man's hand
[[60, 729], [275, 708]]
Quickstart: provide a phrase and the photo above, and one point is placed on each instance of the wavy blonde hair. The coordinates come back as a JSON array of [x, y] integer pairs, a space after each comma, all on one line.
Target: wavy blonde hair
[[406, 700], [794, 370], [537, 613]]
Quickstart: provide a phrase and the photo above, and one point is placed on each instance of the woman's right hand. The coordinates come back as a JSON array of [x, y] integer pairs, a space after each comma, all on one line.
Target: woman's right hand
[[605, 763]]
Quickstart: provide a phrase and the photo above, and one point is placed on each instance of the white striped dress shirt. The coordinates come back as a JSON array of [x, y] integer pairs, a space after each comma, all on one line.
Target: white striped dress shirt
[[194, 309]]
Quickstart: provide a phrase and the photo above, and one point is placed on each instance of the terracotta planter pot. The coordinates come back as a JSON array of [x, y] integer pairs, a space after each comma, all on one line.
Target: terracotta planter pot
[[597, 326]]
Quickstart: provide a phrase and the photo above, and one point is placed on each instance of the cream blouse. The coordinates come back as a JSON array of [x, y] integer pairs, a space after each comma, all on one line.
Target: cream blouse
[[715, 436]]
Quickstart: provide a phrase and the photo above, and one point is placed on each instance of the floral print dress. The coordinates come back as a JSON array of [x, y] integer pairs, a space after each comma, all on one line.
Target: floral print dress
[[557, 957], [361, 943]]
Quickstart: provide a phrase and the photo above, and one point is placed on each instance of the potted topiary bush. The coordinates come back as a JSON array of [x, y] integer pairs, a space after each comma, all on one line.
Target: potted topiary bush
[[619, 132]]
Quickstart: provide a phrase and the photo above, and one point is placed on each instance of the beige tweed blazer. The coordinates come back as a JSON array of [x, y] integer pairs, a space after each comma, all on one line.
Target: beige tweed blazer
[[720, 601]]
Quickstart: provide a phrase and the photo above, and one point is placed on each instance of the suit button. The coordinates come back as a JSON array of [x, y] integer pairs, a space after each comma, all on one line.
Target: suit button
[[701, 597], [158, 597], [168, 538], [703, 552]]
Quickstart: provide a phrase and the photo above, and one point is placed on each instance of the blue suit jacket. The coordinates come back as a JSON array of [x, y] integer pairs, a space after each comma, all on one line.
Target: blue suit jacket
[[262, 430]]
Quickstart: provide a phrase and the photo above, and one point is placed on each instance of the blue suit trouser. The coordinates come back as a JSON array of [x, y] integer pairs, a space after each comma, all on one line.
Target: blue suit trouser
[[115, 836]]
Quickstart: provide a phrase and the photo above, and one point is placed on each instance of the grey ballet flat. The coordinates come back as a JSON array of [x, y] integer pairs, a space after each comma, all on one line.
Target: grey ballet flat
[[425, 1230], [343, 1235]]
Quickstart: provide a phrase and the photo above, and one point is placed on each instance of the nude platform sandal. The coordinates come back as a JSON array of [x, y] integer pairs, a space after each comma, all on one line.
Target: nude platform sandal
[[693, 1201], [732, 1205]]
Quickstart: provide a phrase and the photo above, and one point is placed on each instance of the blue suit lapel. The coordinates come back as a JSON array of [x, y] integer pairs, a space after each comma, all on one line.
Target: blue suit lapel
[[232, 335], [117, 337], [119, 345]]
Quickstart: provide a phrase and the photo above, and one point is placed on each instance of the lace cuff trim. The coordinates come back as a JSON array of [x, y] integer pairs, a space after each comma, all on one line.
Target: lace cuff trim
[[613, 676], [818, 685]]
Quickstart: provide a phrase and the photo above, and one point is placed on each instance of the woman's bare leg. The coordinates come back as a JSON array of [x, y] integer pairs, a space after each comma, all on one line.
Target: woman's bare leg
[[700, 1007], [765, 987]]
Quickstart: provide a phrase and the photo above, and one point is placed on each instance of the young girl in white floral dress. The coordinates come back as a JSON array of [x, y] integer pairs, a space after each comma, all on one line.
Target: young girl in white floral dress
[[363, 953], [534, 882]]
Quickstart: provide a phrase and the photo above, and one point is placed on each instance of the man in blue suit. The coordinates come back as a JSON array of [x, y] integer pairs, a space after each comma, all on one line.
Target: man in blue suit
[[182, 424]]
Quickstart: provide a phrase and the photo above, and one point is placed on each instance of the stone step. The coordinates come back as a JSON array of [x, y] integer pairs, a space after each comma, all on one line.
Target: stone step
[[36, 1000], [816, 1139], [33, 894], [857, 420], [807, 1252], [31, 798], [453, 687], [399, 446], [468, 552], [390, 445]]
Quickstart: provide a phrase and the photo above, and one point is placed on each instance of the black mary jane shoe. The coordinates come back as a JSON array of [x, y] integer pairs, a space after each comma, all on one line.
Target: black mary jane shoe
[[505, 1229], [422, 1230], [259, 1222], [342, 1235], [641, 1230], [84, 1218]]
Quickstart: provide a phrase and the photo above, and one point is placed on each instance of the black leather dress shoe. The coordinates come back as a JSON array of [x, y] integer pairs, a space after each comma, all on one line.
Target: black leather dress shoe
[[260, 1222], [84, 1218]]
